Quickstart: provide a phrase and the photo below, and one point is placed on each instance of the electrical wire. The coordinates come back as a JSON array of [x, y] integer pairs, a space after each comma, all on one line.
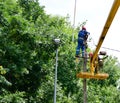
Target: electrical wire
[[104, 47], [111, 49]]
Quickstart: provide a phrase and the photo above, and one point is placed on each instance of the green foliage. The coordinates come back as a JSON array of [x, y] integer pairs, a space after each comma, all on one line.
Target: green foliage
[[17, 97], [97, 94]]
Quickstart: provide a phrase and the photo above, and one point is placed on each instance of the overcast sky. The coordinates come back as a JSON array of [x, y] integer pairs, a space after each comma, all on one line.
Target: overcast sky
[[96, 12]]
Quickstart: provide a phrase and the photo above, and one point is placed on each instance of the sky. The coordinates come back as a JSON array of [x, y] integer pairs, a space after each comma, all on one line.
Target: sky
[[96, 13]]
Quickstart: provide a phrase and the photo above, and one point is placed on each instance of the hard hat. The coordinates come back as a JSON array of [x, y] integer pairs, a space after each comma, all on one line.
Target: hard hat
[[83, 28], [90, 55]]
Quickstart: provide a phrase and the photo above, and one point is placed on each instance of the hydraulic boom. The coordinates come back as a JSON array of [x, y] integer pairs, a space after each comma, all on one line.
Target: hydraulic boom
[[93, 61]]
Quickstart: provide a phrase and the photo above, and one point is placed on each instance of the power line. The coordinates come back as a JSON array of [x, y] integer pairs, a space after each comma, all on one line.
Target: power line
[[104, 47], [111, 49]]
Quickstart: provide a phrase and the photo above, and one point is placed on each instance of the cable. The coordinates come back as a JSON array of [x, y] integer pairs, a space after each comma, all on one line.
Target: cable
[[104, 47], [92, 41], [111, 49]]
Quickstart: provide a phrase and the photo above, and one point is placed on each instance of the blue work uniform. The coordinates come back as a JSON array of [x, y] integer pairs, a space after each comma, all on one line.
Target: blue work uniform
[[81, 38]]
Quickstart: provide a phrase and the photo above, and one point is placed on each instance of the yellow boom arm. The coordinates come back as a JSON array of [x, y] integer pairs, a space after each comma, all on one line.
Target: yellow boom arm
[[93, 62], [110, 18]]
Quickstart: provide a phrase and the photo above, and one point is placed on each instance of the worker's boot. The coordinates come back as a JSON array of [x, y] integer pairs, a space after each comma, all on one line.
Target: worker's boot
[[77, 56]]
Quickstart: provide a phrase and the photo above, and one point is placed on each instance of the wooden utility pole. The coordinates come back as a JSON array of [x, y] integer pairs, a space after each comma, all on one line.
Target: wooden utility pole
[[84, 80]]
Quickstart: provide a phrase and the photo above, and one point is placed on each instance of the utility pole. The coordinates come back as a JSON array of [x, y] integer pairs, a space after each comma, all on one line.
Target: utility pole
[[74, 20], [84, 80], [55, 81], [57, 42]]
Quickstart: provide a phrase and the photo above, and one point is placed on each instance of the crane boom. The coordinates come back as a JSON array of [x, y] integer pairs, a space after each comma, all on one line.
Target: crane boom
[[107, 26], [93, 61], [110, 18]]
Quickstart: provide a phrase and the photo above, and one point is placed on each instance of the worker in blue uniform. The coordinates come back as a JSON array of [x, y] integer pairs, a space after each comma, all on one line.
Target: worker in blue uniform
[[82, 38]]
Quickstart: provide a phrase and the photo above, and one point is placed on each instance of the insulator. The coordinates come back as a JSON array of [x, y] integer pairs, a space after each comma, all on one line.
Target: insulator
[[102, 53]]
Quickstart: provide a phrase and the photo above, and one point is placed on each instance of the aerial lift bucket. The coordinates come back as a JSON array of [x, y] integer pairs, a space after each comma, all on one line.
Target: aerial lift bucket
[[87, 75]]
